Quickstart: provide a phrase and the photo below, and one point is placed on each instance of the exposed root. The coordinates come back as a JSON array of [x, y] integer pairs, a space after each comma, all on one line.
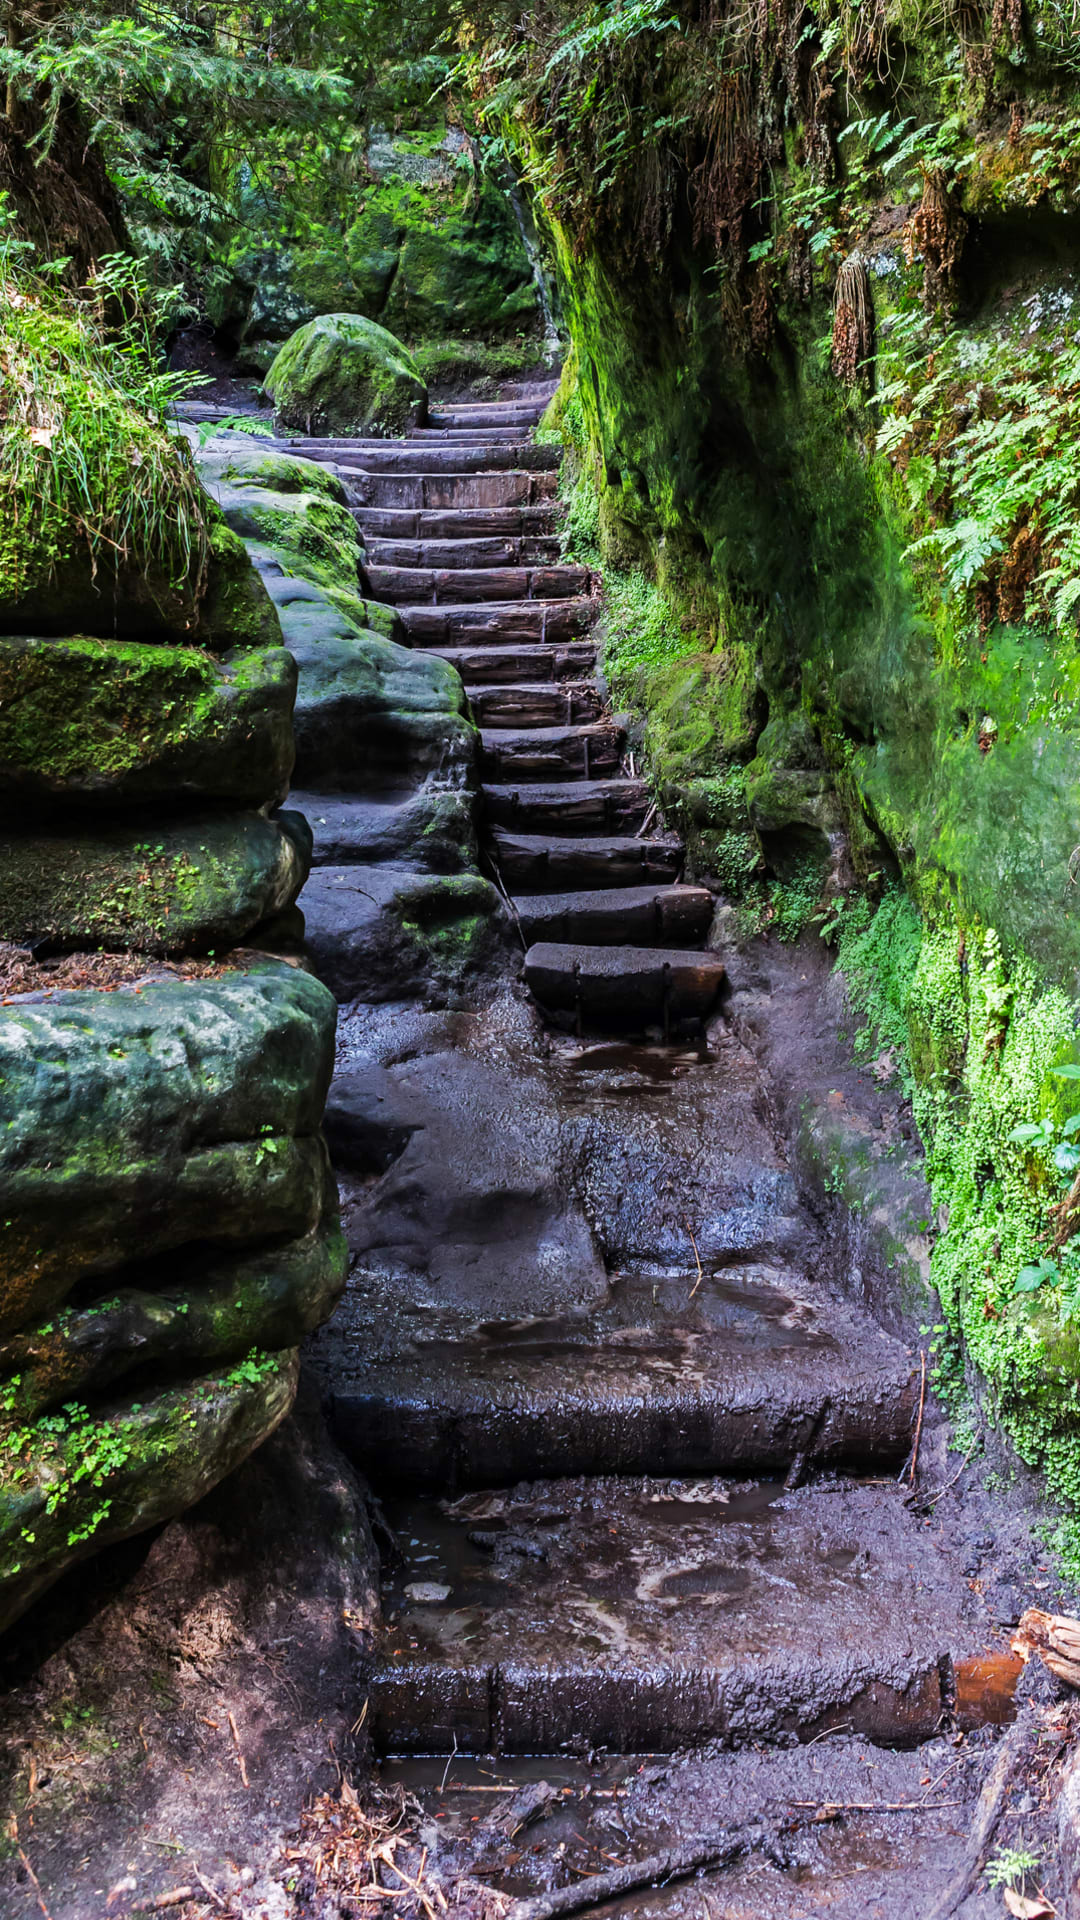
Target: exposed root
[[853, 321], [1011, 1757]]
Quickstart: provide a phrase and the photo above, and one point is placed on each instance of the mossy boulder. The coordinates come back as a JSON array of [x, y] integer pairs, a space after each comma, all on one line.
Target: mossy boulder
[[384, 932], [342, 374], [154, 1118], [111, 720], [100, 1475], [293, 517], [369, 712], [226, 608], [161, 886], [184, 1312]]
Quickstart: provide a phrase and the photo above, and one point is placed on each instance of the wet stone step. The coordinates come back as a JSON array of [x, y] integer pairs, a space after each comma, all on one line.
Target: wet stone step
[[638, 916], [408, 585], [465, 523], [429, 491], [624, 983], [498, 550], [536, 863], [502, 666], [650, 1616], [544, 753], [735, 1373], [550, 704], [569, 806], [493, 621]]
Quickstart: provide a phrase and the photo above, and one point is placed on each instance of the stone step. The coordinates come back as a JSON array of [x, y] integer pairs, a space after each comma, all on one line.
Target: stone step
[[417, 586], [501, 666], [657, 1615], [429, 491], [646, 985], [466, 524], [489, 622], [569, 806], [545, 753], [739, 1373], [543, 863], [498, 550], [635, 916], [406, 456], [548, 704]]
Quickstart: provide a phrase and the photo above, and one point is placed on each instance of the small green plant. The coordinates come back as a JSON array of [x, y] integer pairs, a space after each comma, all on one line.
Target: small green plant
[[1010, 1867]]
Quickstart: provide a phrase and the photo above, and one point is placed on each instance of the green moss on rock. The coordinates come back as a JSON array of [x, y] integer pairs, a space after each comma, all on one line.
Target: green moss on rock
[[342, 374], [118, 720], [165, 886], [143, 1120]]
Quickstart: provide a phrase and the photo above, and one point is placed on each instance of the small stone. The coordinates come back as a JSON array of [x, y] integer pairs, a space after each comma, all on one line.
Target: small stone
[[427, 1593]]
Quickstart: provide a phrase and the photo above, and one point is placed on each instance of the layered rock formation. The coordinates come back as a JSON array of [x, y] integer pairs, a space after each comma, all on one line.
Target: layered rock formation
[[169, 1218]]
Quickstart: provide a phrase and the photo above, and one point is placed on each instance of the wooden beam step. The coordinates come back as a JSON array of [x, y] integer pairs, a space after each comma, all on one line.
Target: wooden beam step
[[494, 550], [437, 585], [551, 753], [623, 982], [543, 863], [503, 666], [462, 523], [542, 704], [568, 806], [492, 621], [407, 456], [633, 916], [516, 487]]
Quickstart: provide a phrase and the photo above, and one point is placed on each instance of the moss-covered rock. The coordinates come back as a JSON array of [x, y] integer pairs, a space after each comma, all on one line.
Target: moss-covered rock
[[92, 1478], [342, 374], [369, 712], [187, 1312], [112, 720], [384, 932], [421, 241], [164, 886], [152, 1118]]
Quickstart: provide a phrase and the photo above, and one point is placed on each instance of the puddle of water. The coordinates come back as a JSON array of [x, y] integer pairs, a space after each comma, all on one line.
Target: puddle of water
[[986, 1689], [662, 1066]]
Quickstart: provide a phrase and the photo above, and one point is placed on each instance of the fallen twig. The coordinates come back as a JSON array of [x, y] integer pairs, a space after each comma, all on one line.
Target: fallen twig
[[876, 1806], [697, 1257], [987, 1814], [930, 1499], [35, 1883], [239, 1755], [176, 1897], [918, 1423], [677, 1863], [647, 822]]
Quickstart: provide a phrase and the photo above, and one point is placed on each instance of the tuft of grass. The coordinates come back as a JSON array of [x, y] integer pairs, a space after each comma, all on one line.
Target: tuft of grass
[[87, 462]]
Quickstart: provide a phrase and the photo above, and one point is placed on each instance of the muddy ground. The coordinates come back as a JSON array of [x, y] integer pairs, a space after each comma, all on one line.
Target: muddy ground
[[168, 1715]]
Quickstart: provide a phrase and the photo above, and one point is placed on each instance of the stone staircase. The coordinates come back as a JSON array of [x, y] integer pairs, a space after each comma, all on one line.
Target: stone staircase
[[460, 526]]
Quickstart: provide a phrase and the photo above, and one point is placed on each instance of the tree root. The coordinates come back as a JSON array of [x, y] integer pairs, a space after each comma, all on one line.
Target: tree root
[[987, 1814], [678, 1863]]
